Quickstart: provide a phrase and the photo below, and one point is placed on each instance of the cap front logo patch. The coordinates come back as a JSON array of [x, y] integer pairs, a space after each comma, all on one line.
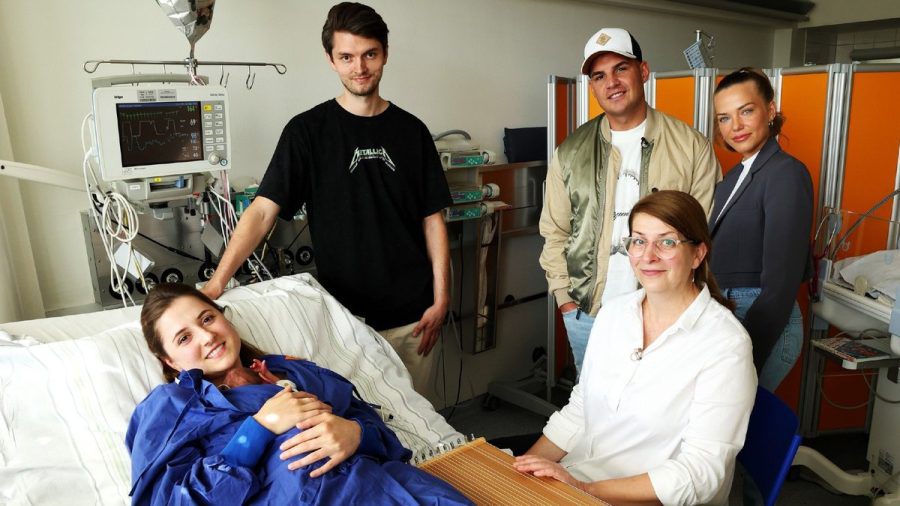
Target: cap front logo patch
[[603, 39]]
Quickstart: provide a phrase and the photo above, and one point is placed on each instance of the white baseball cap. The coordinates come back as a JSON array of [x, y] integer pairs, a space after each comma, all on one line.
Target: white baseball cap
[[613, 40]]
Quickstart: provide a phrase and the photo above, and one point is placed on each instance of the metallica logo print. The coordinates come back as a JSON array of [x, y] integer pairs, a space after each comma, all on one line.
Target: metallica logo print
[[371, 154]]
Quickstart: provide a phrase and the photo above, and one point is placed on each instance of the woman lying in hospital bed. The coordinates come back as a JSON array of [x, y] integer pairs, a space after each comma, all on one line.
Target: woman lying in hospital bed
[[661, 408], [238, 427]]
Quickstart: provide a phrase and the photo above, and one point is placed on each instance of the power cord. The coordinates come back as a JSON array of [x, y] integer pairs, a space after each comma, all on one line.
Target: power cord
[[859, 221], [457, 330], [116, 221], [171, 249], [879, 489], [875, 391], [227, 220], [834, 404]]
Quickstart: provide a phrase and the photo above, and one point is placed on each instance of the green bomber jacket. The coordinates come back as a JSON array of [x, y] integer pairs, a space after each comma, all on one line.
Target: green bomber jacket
[[576, 220]]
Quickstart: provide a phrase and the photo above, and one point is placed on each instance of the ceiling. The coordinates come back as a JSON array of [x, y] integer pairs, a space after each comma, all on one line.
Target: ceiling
[[794, 10]]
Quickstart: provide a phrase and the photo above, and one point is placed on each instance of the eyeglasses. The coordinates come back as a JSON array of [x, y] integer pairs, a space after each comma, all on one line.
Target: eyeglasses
[[665, 247]]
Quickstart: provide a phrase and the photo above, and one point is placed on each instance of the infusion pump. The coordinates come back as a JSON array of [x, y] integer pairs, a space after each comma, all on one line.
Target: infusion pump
[[162, 130]]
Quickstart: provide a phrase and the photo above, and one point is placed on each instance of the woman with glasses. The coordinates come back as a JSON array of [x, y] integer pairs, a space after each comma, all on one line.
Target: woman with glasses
[[661, 408], [760, 224]]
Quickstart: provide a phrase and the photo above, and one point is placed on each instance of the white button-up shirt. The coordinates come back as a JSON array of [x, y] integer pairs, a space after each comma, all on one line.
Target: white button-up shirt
[[677, 411]]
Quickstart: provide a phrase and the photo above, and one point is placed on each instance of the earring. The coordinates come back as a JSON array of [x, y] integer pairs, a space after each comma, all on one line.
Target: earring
[[771, 124]]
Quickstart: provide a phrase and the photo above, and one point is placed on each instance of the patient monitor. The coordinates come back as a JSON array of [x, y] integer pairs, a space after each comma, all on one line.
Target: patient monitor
[[161, 130]]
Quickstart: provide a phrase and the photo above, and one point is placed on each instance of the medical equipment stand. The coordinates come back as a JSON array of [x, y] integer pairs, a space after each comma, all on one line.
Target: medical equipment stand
[[561, 120], [855, 312]]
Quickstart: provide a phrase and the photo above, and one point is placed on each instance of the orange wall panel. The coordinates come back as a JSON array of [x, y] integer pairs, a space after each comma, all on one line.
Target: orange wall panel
[[675, 97], [845, 389], [727, 159], [869, 171], [562, 106], [803, 103], [594, 108], [869, 174], [562, 131], [873, 138]]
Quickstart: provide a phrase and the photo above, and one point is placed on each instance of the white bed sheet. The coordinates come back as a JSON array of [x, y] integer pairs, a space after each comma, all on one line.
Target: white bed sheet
[[65, 403], [878, 274]]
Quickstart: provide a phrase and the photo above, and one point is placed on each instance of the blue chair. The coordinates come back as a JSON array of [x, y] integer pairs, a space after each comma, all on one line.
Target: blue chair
[[771, 444]]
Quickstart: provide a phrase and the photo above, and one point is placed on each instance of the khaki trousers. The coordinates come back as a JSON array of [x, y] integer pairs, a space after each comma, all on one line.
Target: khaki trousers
[[421, 368]]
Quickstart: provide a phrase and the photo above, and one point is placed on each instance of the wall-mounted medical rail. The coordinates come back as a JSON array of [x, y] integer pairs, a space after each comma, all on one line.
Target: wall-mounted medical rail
[[191, 65]]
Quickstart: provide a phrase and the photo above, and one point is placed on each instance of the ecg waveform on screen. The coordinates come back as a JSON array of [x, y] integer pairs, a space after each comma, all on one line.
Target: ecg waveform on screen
[[159, 133]]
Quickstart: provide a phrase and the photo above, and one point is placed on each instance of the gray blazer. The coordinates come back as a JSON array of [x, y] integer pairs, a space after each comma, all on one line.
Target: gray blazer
[[762, 240]]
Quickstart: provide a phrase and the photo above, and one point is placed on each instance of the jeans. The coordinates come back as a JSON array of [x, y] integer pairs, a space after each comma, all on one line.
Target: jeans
[[786, 350], [578, 327]]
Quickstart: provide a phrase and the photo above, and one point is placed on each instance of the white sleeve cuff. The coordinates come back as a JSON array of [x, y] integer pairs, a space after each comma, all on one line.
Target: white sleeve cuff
[[674, 483], [666, 485], [562, 432]]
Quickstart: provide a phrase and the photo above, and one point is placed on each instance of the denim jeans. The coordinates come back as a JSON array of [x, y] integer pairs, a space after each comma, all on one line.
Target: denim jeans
[[578, 327], [786, 350]]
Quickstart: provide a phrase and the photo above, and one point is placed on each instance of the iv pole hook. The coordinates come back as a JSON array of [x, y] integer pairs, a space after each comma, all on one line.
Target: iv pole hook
[[251, 78]]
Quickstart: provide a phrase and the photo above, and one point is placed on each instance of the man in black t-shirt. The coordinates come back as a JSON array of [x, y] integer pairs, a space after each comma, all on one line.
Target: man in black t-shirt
[[374, 189]]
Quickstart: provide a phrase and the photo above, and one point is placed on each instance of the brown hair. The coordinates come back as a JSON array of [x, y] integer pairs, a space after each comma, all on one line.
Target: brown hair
[[683, 213], [354, 18], [158, 301], [763, 87]]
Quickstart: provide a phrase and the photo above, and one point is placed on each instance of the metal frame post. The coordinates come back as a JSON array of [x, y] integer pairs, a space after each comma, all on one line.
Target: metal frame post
[[650, 90], [575, 112], [704, 86], [582, 100]]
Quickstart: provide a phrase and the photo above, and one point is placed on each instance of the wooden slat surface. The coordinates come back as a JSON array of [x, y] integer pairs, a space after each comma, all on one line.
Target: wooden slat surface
[[484, 474]]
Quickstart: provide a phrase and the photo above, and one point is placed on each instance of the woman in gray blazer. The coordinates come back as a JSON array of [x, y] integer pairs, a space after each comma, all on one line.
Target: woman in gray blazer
[[760, 224]]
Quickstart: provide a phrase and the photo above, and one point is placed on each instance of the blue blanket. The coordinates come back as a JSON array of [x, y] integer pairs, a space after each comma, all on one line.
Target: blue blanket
[[178, 433]]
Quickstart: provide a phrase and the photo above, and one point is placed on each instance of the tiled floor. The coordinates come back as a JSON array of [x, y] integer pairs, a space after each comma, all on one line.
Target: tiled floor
[[846, 451]]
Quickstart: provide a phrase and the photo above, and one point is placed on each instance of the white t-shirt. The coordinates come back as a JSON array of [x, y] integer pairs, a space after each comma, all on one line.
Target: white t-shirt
[[619, 275], [679, 413], [745, 169]]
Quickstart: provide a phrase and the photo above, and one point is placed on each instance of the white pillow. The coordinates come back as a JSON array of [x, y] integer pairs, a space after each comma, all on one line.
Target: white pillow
[[65, 405], [7, 339], [64, 328]]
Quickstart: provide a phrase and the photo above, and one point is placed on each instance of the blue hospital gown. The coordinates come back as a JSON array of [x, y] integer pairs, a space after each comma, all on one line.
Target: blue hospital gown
[[178, 433]]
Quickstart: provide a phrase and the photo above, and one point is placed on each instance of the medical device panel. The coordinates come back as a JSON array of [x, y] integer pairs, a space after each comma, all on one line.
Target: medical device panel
[[164, 130]]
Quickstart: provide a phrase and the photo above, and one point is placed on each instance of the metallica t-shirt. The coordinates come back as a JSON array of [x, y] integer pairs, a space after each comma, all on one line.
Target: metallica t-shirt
[[367, 183]]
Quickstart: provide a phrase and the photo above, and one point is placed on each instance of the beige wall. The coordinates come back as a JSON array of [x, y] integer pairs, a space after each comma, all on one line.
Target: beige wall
[[833, 12], [20, 294], [471, 64]]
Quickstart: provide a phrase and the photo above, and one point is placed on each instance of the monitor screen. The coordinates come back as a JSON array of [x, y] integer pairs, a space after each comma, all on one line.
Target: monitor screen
[[160, 132], [153, 131]]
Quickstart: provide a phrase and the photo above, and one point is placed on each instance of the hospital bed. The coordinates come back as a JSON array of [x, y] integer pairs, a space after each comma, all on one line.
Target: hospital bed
[[69, 385]]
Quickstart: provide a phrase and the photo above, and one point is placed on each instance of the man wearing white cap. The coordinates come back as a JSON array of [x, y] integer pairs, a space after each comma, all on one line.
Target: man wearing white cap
[[600, 171]]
